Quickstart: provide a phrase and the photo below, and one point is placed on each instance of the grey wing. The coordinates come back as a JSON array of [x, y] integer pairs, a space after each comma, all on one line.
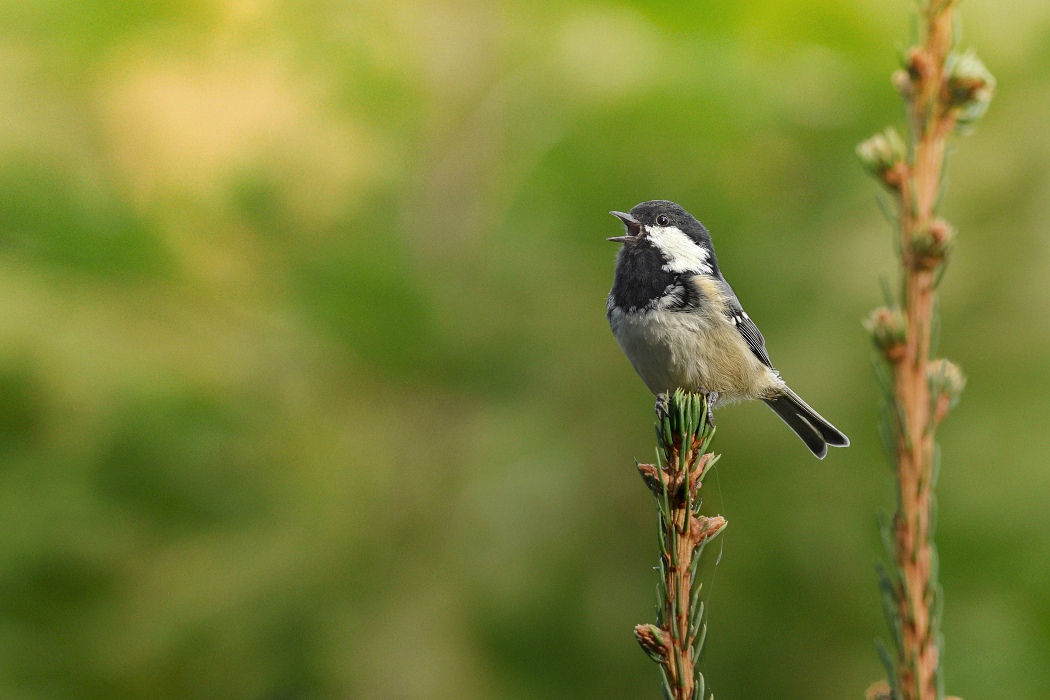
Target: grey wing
[[747, 328], [684, 295]]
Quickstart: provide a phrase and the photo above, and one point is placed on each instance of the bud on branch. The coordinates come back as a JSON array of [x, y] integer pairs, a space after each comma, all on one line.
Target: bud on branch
[[889, 332], [883, 155]]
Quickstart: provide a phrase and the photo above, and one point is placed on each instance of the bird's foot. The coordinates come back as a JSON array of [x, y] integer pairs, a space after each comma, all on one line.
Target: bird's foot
[[662, 402], [712, 401]]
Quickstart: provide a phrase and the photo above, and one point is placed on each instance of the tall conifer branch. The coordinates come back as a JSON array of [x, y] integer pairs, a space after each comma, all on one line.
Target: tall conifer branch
[[943, 91]]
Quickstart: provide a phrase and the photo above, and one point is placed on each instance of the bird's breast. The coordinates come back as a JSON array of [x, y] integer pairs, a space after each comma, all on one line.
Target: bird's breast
[[690, 350]]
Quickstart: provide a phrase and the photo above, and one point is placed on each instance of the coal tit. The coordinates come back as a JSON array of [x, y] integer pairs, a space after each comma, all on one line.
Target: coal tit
[[681, 326]]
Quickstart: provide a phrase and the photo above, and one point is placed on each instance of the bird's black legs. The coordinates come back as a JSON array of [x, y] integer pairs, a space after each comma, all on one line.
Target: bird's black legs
[[661, 403], [662, 400], [712, 400]]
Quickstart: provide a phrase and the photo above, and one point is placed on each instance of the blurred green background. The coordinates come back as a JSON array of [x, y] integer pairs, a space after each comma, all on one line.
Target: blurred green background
[[306, 388]]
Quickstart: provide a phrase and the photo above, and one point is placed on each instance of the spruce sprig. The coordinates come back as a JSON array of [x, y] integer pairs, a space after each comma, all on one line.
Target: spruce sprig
[[683, 435]]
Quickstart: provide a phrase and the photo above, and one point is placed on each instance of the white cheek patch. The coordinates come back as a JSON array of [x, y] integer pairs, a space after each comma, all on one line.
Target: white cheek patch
[[679, 250]]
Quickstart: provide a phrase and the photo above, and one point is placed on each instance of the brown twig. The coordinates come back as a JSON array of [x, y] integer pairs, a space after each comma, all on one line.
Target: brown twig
[[684, 432]]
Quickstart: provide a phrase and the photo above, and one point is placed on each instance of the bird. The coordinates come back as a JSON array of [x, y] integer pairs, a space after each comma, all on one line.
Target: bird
[[681, 325]]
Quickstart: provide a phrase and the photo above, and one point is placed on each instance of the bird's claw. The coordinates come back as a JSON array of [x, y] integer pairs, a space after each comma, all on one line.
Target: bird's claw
[[712, 401], [662, 402]]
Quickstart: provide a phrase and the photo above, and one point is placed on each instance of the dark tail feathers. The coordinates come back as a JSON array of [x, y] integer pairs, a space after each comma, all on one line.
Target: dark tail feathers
[[816, 432]]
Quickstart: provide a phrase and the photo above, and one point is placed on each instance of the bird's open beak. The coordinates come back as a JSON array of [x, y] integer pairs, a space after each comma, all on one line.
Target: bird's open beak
[[633, 226]]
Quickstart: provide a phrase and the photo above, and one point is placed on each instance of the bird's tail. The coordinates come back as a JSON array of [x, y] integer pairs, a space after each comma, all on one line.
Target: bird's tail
[[816, 432]]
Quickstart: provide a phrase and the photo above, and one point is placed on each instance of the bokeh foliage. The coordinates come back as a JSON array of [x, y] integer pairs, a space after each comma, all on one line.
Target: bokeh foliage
[[306, 389]]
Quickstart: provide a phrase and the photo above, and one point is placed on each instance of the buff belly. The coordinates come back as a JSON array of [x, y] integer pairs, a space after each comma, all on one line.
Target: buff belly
[[693, 351]]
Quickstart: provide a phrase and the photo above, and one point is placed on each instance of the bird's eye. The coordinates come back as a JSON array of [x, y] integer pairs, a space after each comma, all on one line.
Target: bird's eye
[[662, 220]]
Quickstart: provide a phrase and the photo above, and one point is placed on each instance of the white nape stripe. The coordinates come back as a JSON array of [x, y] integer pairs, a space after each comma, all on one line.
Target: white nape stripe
[[682, 254]]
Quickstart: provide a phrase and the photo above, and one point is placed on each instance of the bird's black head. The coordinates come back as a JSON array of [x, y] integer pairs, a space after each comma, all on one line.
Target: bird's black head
[[683, 242], [664, 213]]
